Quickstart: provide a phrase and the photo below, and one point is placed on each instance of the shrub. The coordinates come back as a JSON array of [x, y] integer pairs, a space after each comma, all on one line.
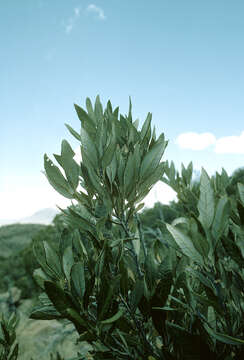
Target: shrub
[[177, 295]]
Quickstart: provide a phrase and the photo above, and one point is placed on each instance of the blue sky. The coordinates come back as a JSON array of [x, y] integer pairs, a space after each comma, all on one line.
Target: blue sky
[[180, 60]]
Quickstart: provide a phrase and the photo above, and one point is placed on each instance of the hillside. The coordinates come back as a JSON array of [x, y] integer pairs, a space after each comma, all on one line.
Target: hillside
[[14, 238]]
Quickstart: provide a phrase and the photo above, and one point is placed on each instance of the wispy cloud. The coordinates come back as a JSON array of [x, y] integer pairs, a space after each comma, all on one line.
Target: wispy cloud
[[230, 144], [97, 10], [72, 20], [233, 144], [195, 141]]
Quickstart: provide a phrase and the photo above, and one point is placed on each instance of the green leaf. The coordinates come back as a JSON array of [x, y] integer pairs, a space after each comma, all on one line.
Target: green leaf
[[58, 297], [241, 192], [129, 174], [200, 243], [68, 261], [221, 218], [78, 279], [206, 203], [151, 268], [40, 277], [114, 317], [88, 147], [69, 165], [136, 294], [73, 132], [107, 292], [152, 179], [111, 169], [109, 151], [226, 339], [40, 254], [85, 119], [15, 353], [146, 126], [98, 109], [52, 259], [90, 110], [153, 157], [45, 313], [56, 179], [185, 244], [121, 167]]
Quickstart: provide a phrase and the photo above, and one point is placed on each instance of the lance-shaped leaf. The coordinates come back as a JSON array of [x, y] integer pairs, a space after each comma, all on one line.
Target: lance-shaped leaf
[[45, 313], [226, 339], [136, 294], [40, 277], [88, 147], [146, 126], [56, 179], [114, 318], [68, 261], [40, 254], [110, 150], [73, 132], [90, 110], [121, 167], [85, 119], [206, 203], [241, 192], [185, 244], [69, 165], [58, 297], [153, 157], [98, 109], [111, 169], [129, 173], [52, 259], [152, 179], [78, 279], [107, 292], [161, 294], [221, 218], [151, 268]]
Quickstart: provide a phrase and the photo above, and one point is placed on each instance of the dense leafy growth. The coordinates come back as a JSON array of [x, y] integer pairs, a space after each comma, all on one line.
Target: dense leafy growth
[[166, 283]]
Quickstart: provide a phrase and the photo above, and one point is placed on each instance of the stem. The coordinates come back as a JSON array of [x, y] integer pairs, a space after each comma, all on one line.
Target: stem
[[141, 235], [148, 347], [132, 250]]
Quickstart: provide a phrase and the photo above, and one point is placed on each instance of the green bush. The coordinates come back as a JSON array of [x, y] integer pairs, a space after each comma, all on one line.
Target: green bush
[[174, 292], [177, 295]]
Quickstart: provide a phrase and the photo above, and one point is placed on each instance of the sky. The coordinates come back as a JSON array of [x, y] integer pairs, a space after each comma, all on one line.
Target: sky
[[181, 60]]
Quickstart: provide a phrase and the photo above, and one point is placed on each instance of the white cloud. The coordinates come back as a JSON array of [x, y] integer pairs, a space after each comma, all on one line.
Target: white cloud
[[233, 144], [97, 10], [72, 20], [160, 192], [195, 141], [230, 144]]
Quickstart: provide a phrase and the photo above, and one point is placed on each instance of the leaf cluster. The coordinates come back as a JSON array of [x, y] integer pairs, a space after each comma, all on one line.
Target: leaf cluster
[[177, 295]]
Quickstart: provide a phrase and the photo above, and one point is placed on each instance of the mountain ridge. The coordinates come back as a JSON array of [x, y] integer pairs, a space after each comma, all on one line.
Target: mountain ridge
[[44, 216]]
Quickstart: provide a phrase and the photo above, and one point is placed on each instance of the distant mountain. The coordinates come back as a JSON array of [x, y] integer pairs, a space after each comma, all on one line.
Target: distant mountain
[[44, 216]]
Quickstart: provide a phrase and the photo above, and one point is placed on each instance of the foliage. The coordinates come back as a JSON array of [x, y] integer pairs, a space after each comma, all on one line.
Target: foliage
[[176, 294], [9, 348], [14, 238], [18, 262]]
